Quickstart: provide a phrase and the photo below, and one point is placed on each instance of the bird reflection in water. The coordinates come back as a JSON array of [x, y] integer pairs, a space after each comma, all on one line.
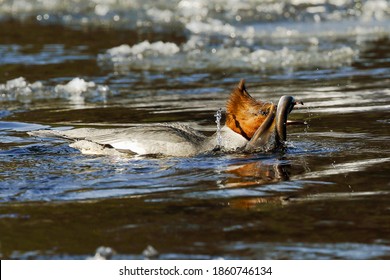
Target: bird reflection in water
[[254, 175]]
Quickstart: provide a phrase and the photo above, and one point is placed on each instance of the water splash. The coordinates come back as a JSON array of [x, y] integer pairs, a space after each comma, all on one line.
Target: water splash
[[307, 121], [218, 116]]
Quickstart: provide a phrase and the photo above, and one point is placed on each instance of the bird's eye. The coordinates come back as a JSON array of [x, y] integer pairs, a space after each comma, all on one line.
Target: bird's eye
[[264, 113]]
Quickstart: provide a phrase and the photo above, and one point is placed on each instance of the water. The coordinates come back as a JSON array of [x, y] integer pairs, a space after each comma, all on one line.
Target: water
[[218, 116], [109, 63]]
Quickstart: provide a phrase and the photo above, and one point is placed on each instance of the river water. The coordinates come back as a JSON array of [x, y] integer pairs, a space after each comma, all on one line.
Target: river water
[[112, 63]]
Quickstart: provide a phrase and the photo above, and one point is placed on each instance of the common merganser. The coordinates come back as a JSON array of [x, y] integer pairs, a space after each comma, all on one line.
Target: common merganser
[[250, 126]]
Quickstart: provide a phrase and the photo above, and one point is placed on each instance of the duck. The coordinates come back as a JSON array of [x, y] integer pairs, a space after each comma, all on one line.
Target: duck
[[251, 125]]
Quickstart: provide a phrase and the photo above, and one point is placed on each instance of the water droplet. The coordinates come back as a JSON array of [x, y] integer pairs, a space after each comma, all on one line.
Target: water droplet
[[218, 116]]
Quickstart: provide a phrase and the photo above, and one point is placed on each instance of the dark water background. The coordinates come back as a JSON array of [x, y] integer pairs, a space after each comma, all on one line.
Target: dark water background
[[119, 63]]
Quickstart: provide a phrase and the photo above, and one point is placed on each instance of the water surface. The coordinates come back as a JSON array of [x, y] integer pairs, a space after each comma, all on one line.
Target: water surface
[[105, 64]]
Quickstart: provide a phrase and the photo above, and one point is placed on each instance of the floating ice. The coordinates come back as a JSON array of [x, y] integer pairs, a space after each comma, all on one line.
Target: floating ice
[[19, 89], [77, 90], [20, 83], [15, 83], [194, 56], [158, 15], [144, 55], [286, 58], [211, 26], [75, 86], [148, 14], [144, 49]]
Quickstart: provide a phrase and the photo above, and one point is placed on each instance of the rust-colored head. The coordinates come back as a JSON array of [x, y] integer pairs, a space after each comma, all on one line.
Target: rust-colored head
[[244, 114]]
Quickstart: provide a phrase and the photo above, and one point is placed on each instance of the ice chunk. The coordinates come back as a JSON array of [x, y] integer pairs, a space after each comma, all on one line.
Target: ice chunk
[[19, 89], [76, 90], [16, 83], [75, 86], [19, 84], [145, 48], [193, 56]]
